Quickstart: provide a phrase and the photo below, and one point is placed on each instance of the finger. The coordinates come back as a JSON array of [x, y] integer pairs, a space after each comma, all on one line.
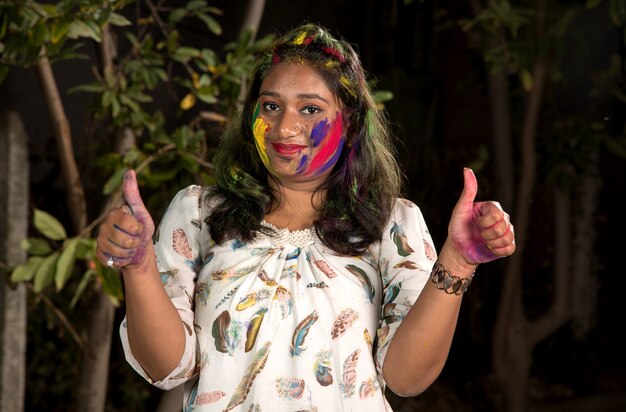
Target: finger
[[496, 231], [490, 213], [109, 260], [504, 251], [470, 188], [502, 241], [131, 193], [126, 223]]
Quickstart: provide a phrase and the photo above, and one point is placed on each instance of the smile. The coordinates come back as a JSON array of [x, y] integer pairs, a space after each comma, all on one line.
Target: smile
[[287, 149]]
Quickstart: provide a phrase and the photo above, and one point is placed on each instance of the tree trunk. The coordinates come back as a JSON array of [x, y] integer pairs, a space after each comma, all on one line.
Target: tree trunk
[[75, 193], [502, 140], [95, 365], [511, 352], [13, 228], [100, 311], [585, 283], [251, 21]]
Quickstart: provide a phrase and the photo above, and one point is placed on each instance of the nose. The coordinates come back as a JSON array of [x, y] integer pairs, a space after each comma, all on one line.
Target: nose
[[289, 125]]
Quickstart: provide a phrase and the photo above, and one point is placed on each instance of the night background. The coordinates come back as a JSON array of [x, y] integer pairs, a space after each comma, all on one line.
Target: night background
[[530, 94]]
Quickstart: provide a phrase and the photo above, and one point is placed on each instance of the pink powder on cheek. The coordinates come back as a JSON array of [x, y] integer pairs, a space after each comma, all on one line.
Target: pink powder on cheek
[[330, 147]]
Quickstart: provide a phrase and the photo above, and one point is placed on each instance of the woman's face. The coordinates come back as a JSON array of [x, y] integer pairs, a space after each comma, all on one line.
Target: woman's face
[[298, 124]]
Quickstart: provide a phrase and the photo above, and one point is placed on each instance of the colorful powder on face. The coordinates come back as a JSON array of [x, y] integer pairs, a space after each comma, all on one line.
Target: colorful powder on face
[[259, 128], [319, 132], [330, 151], [302, 164]]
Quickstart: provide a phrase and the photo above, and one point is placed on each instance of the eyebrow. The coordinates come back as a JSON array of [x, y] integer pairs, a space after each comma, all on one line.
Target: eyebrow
[[300, 96]]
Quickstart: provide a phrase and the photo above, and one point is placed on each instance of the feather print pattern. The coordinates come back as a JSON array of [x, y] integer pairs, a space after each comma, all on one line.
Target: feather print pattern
[[181, 245], [325, 268], [234, 273], [368, 338], [399, 238], [290, 388], [300, 333], [347, 384], [322, 367], [268, 298], [284, 300], [429, 251], [206, 398], [362, 277], [368, 388], [407, 264], [220, 331], [256, 366], [253, 326], [344, 321], [391, 293]]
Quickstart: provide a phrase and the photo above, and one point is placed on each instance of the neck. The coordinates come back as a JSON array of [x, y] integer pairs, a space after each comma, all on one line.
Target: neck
[[298, 205]]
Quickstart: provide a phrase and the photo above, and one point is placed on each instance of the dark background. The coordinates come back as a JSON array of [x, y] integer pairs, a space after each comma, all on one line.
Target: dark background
[[440, 115]]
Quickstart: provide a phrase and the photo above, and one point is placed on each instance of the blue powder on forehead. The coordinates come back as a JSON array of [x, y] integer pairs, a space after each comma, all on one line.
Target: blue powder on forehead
[[319, 132]]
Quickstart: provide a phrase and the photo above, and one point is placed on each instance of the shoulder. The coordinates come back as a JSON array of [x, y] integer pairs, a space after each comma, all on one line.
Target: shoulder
[[404, 209]]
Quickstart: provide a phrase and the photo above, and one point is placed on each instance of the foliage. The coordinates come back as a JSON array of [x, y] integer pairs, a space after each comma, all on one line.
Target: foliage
[[155, 61], [157, 58]]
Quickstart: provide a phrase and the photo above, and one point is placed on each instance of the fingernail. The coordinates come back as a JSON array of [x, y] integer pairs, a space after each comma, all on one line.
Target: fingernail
[[127, 209]]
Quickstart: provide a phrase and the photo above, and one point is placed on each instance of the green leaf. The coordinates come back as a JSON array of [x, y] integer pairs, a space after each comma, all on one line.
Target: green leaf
[[44, 275], [37, 35], [58, 31], [183, 54], [211, 23], [527, 80], [49, 226], [89, 88], [36, 246], [26, 271], [118, 20], [195, 4], [89, 273], [114, 182], [177, 15], [86, 248], [66, 262], [111, 284]]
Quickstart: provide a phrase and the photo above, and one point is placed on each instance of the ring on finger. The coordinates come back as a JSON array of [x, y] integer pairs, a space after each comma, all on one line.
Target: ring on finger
[[110, 261]]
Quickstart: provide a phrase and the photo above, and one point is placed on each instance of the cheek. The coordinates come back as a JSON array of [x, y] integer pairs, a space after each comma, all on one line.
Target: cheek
[[328, 142], [260, 128]]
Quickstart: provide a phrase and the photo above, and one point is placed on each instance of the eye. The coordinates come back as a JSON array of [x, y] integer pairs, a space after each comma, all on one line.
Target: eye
[[311, 110], [270, 107]]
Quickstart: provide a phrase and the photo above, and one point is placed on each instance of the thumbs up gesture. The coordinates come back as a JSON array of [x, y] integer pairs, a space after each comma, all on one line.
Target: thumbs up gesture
[[479, 231], [127, 231]]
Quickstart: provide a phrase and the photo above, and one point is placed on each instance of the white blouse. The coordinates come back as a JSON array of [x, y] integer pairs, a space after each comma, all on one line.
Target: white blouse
[[284, 323]]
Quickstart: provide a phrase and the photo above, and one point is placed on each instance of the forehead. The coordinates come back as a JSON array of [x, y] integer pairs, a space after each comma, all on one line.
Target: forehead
[[295, 77]]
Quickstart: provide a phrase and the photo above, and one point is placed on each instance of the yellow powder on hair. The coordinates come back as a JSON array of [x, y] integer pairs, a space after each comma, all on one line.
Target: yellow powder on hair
[[347, 85], [300, 39]]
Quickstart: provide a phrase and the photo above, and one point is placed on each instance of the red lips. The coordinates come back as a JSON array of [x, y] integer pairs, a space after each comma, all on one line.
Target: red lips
[[287, 149]]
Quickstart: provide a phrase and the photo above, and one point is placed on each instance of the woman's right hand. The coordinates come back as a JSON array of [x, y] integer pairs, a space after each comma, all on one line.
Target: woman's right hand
[[126, 233]]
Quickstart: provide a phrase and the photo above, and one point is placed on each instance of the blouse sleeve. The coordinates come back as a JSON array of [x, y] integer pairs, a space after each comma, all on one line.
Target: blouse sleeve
[[177, 245], [406, 258]]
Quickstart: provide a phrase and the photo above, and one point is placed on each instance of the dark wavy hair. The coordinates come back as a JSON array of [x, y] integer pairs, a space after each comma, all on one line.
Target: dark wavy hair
[[363, 184]]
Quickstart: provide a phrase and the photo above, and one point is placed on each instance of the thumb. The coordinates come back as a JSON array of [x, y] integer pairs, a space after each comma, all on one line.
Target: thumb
[[470, 188], [131, 193]]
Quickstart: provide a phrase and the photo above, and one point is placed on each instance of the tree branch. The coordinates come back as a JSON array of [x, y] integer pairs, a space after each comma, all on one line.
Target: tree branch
[[75, 193]]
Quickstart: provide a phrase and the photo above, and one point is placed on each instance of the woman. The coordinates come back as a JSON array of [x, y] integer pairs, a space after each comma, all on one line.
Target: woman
[[300, 281]]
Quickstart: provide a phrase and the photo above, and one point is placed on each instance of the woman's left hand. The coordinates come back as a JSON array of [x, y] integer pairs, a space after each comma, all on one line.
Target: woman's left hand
[[479, 231]]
